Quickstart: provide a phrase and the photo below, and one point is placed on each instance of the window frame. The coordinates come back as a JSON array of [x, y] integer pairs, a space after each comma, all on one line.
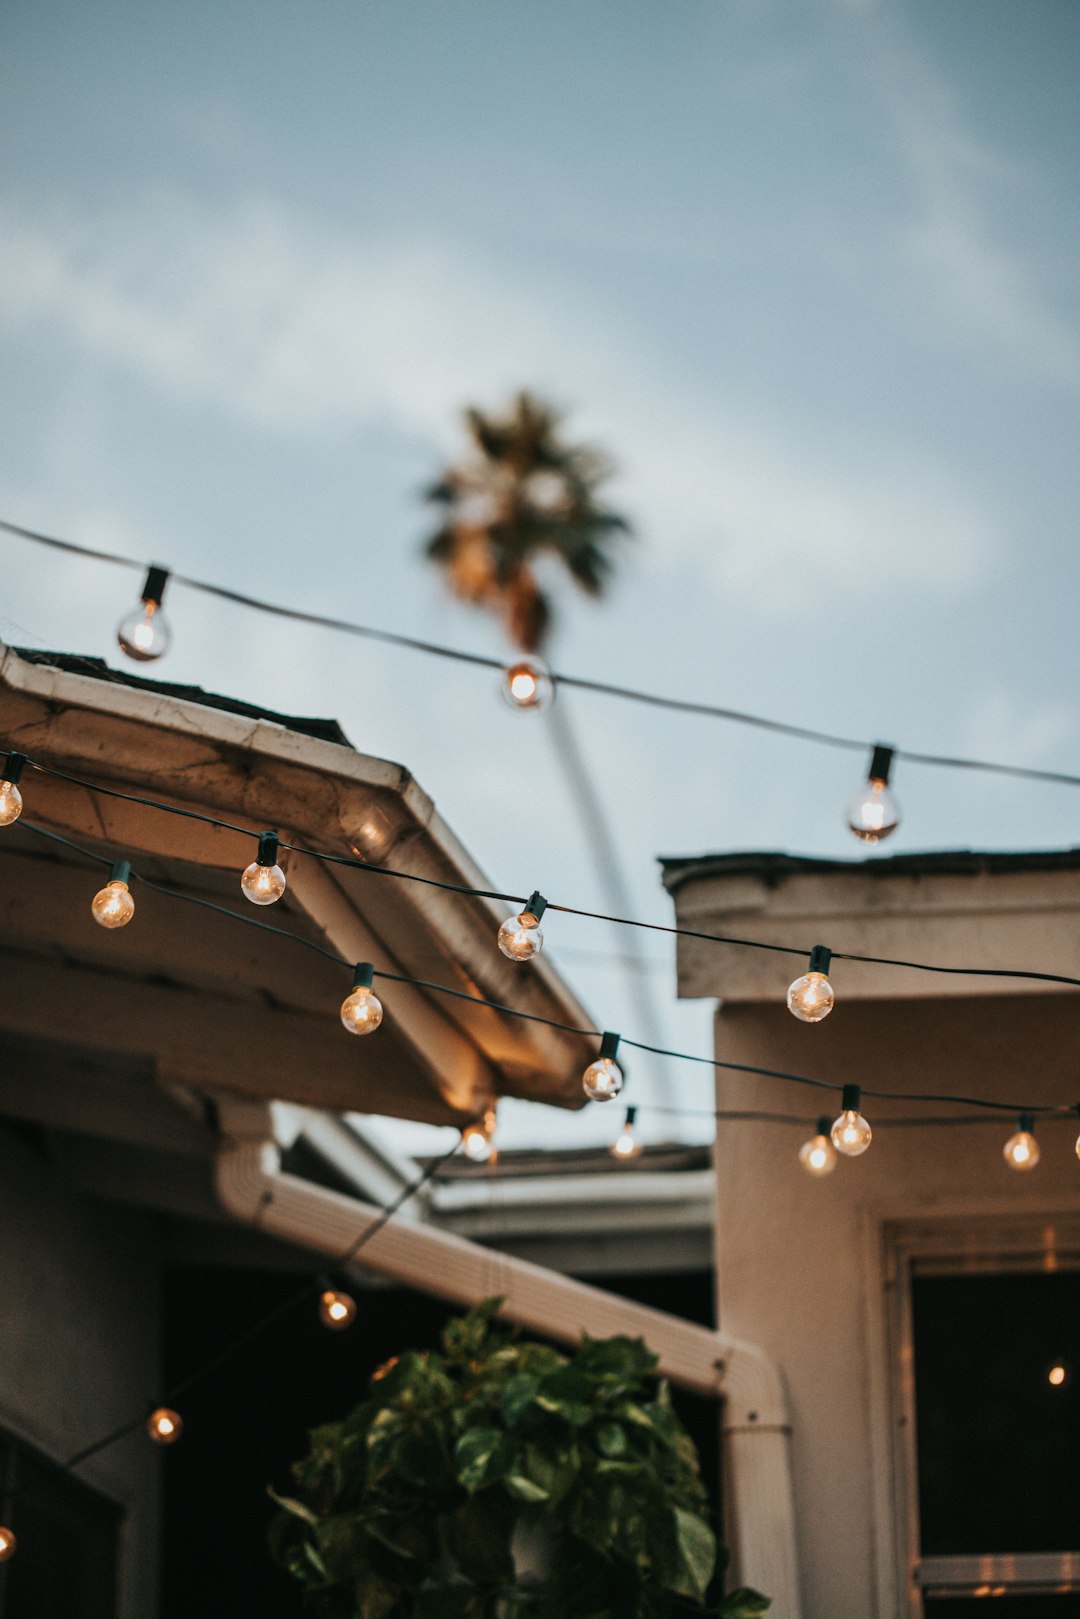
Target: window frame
[[962, 1246]]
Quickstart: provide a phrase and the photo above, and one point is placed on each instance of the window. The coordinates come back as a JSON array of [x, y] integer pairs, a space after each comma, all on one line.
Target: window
[[65, 1565], [988, 1410]]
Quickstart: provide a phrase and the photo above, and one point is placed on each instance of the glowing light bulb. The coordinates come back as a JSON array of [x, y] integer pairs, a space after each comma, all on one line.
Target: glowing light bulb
[[478, 1140], [11, 802], [145, 634], [526, 683], [263, 882], [113, 905], [873, 813], [603, 1079], [520, 937], [1056, 1376], [850, 1133], [626, 1145], [818, 1155], [8, 1543], [337, 1310], [1021, 1151], [361, 1010], [811, 997], [164, 1426]]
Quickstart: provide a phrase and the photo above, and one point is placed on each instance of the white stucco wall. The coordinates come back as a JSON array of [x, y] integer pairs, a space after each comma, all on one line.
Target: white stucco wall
[[79, 1347], [799, 1261]]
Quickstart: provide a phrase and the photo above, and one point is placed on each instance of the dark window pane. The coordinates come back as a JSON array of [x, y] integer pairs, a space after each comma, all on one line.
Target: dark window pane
[[997, 1439]]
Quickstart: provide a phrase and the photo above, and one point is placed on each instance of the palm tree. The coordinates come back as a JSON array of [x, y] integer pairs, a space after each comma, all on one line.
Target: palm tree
[[523, 493]]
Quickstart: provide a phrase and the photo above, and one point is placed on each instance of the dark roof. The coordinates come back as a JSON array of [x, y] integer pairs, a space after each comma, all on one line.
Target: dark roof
[[526, 1162], [98, 669], [774, 868]]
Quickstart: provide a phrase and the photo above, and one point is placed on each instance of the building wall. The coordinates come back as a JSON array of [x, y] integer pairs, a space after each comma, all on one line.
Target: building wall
[[79, 1343], [800, 1265]]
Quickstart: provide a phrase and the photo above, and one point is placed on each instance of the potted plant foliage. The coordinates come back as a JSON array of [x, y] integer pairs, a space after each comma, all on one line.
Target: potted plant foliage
[[425, 1502]]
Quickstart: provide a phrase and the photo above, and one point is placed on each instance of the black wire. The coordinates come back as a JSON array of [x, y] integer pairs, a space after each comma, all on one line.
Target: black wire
[[552, 1023], [604, 688], [1021, 974], [268, 1319]]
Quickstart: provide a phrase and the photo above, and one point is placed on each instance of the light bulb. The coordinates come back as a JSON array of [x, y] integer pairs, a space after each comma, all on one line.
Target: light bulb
[[626, 1145], [263, 881], [811, 997], [1056, 1376], [337, 1310], [873, 813], [1021, 1151], [478, 1140], [850, 1133], [11, 802], [361, 1010], [818, 1155], [603, 1079], [164, 1426], [520, 937], [526, 683], [8, 1543], [145, 634], [113, 906]]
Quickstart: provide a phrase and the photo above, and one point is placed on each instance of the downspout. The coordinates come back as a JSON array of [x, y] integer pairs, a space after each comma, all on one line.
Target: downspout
[[253, 1188]]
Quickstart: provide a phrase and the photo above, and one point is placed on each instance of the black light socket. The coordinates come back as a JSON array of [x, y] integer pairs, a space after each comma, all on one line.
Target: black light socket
[[609, 1045], [850, 1099], [16, 764], [820, 959], [153, 589], [535, 906], [363, 975], [881, 763], [268, 849]]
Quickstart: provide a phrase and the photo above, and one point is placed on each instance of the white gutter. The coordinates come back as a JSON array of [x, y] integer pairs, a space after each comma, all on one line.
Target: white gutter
[[756, 1425]]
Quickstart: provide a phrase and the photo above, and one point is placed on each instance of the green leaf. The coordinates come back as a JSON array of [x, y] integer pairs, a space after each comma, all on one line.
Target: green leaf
[[611, 1440], [744, 1604], [524, 1488], [697, 1553], [289, 1503], [518, 1398], [481, 1456]]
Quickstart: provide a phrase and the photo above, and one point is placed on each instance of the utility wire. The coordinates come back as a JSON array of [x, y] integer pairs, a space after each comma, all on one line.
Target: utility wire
[[1025, 975], [945, 1099], [604, 688]]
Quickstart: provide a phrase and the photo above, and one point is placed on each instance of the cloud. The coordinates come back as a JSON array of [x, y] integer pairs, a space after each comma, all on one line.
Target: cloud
[[279, 321]]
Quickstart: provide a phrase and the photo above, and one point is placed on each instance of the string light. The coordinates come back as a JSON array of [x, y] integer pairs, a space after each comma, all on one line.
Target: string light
[[1021, 1151], [164, 1426], [145, 634], [520, 937], [264, 881], [337, 1310], [603, 1079], [11, 802], [8, 1543], [1056, 1376], [113, 905], [478, 1140], [811, 997], [361, 1010], [850, 1133], [818, 1155], [527, 683], [873, 813], [626, 1145]]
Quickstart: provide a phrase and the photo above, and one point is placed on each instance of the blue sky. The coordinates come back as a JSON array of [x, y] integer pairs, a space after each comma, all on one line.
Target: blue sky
[[809, 273]]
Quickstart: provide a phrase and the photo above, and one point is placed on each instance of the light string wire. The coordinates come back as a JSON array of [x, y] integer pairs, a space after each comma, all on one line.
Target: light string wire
[[604, 688], [1026, 975], [256, 1328], [1043, 1109]]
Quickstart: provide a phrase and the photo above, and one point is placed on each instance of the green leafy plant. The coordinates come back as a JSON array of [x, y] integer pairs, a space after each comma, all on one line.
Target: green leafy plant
[[414, 1506]]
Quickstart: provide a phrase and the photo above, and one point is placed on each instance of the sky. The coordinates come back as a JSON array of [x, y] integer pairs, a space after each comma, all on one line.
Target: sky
[[807, 272]]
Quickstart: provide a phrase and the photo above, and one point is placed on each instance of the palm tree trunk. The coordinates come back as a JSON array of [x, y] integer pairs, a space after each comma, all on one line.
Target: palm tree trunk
[[600, 839]]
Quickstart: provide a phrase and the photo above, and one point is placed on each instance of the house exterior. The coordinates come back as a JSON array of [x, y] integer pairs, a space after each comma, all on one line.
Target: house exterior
[[920, 1301], [178, 1095]]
